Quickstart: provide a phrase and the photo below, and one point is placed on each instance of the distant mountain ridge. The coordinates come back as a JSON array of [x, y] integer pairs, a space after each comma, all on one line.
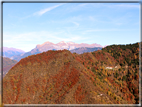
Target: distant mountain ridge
[[51, 46], [9, 52], [63, 45], [7, 65], [85, 49]]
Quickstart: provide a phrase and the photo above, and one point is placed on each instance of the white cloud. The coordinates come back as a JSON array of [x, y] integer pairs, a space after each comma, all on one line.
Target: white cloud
[[41, 12], [77, 24]]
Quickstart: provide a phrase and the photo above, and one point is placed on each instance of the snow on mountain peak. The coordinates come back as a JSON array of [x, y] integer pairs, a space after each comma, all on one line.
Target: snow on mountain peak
[[62, 42], [39, 45], [65, 45], [71, 43], [47, 42]]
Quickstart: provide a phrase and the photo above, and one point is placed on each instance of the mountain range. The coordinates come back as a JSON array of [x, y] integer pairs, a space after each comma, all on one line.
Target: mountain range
[[71, 46], [63, 45], [107, 76]]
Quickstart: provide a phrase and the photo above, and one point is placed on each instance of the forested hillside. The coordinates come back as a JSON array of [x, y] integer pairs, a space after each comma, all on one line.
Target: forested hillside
[[107, 76], [124, 54], [128, 58]]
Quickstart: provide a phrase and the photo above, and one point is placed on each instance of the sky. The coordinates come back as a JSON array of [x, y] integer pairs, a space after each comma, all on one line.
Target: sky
[[27, 24]]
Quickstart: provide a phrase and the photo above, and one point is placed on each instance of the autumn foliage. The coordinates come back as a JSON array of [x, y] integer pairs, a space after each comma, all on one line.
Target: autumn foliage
[[107, 76]]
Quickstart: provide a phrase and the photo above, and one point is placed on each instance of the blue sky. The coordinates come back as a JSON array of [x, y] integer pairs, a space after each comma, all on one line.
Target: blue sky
[[27, 24]]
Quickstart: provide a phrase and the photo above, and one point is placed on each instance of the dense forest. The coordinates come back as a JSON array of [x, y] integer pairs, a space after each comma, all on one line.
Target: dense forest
[[107, 76], [128, 57]]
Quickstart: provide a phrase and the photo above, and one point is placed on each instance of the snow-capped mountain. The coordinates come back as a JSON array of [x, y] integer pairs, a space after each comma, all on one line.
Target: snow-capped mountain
[[65, 45], [59, 46]]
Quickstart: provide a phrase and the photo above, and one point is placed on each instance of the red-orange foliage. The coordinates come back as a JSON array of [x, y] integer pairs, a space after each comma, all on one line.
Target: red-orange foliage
[[18, 87], [44, 80], [45, 56], [96, 68], [5, 83], [136, 91], [99, 56], [56, 85], [86, 75], [23, 100], [110, 80], [137, 76], [79, 94], [12, 83], [70, 81], [66, 54]]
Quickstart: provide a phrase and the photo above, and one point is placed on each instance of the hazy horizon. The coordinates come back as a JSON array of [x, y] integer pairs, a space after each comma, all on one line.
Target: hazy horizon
[[26, 25]]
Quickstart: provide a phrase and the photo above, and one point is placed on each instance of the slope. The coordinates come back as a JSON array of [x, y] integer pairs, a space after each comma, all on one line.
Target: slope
[[128, 58], [41, 82], [7, 64], [49, 77], [60, 77]]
